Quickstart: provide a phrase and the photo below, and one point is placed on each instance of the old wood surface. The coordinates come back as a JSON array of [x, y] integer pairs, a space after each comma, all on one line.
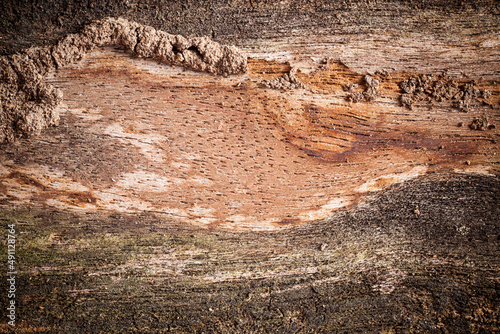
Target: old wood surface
[[136, 135], [298, 197]]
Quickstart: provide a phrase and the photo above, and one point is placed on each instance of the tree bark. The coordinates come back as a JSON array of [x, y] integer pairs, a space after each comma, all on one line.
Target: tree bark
[[347, 182]]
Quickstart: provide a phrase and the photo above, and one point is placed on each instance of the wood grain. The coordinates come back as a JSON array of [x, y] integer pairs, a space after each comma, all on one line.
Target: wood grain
[[212, 151], [171, 201]]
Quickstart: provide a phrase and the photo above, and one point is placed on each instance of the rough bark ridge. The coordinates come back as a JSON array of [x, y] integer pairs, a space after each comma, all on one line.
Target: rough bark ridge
[[29, 103]]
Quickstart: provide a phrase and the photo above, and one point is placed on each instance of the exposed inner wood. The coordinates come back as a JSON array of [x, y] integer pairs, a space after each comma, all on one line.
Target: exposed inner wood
[[136, 135], [143, 211]]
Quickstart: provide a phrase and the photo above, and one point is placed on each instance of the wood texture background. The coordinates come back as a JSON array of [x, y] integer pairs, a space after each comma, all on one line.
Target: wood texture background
[[171, 201]]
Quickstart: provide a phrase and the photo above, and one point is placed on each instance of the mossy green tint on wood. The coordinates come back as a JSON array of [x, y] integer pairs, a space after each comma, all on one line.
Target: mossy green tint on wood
[[379, 267]]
